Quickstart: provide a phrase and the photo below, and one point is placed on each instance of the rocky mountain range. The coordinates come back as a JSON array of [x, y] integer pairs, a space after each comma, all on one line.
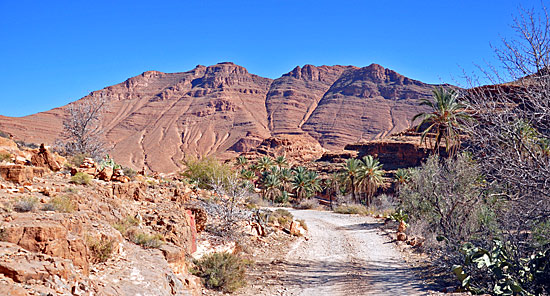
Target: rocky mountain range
[[155, 119]]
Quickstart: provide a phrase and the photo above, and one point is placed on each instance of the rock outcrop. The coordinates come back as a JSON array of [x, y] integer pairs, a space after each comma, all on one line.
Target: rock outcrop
[[155, 119]]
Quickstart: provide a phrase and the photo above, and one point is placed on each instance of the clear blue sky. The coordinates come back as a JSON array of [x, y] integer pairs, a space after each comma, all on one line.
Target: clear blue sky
[[54, 52]]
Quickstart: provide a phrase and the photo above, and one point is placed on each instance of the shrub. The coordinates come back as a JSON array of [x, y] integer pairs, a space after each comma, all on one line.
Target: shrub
[[128, 229], [282, 216], [100, 249], [25, 204], [308, 204], [221, 271], [64, 204], [77, 159], [124, 225], [451, 197], [146, 240], [206, 171], [129, 172], [81, 179], [5, 157], [352, 209]]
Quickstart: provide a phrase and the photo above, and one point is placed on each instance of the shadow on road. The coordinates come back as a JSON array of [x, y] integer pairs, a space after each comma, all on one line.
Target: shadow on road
[[374, 277]]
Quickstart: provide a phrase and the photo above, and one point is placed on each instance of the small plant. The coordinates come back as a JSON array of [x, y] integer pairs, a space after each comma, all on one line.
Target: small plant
[[101, 249], [354, 209], [129, 172], [146, 240], [400, 216], [5, 157], [77, 159], [221, 271], [64, 204], [282, 216], [81, 179], [124, 226], [308, 204], [25, 204]]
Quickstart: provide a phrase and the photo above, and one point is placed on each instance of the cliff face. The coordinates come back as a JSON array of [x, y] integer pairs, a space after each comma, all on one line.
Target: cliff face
[[155, 119], [365, 104]]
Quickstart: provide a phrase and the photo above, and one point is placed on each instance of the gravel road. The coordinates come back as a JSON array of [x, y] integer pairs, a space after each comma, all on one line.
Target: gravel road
[[345, 255]]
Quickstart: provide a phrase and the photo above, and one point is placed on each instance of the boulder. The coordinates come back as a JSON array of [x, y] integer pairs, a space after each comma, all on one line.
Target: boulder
[[20, 173], [106, 174], [44, 158], [22, 266], [47, 237], [297, 229]]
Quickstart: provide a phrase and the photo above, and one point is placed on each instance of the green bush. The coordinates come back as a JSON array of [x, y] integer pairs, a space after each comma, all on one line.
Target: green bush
[[25, 204], [81, 179], [100, 249], [64, 204], [352, 209], [451, 199], [221, 271], [206, 171]]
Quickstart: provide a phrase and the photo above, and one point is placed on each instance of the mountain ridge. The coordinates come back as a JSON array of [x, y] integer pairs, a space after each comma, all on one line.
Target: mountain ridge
[[155, 119]]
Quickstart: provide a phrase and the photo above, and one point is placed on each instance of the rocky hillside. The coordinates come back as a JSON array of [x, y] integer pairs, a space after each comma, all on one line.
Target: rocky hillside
[[155, 119]]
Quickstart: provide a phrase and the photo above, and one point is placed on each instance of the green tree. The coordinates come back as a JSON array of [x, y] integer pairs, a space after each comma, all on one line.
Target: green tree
[[264, 163], [370, 177], [281, 161], [272, 186], [351, 170], [444, 119]]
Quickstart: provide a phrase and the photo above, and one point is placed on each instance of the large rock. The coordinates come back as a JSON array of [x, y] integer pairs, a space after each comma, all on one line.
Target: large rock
[[22, 266], [47, 237], [44, 158], [20, 173]]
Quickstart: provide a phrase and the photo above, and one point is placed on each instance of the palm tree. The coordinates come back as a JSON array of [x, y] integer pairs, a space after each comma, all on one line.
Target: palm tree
[[445, 119], [271, 187], [286, 178], [241, 161], [300, 185], [401, 177], [281, 161], [370, 177], [264, 163], [313, 183], [350, 174]]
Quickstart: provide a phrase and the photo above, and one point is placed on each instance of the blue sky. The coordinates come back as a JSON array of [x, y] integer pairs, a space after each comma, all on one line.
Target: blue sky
[[54, 52]]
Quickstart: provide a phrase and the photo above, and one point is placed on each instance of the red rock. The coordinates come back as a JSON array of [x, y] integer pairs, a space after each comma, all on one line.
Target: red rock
[[44, 158], [401, 237], [17, 173], [106, 174]]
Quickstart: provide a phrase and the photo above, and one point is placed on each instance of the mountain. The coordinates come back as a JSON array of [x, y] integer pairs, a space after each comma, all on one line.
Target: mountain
[[155, 119]]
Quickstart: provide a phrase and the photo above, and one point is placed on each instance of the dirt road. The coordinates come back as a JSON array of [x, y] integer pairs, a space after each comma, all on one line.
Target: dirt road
[[343, 255]]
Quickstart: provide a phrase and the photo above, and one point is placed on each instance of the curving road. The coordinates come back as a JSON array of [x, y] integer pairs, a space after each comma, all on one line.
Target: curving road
[[345, 255]]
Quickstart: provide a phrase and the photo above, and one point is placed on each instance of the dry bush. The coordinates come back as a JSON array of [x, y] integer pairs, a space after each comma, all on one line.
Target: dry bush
[[353, 209], [64, 204], [221, 271], [101, 249], [25, 204], [307, 204], [81, 179]]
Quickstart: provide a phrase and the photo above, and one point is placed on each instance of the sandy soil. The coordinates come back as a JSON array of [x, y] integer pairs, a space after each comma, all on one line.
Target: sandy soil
[[341, 255]]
